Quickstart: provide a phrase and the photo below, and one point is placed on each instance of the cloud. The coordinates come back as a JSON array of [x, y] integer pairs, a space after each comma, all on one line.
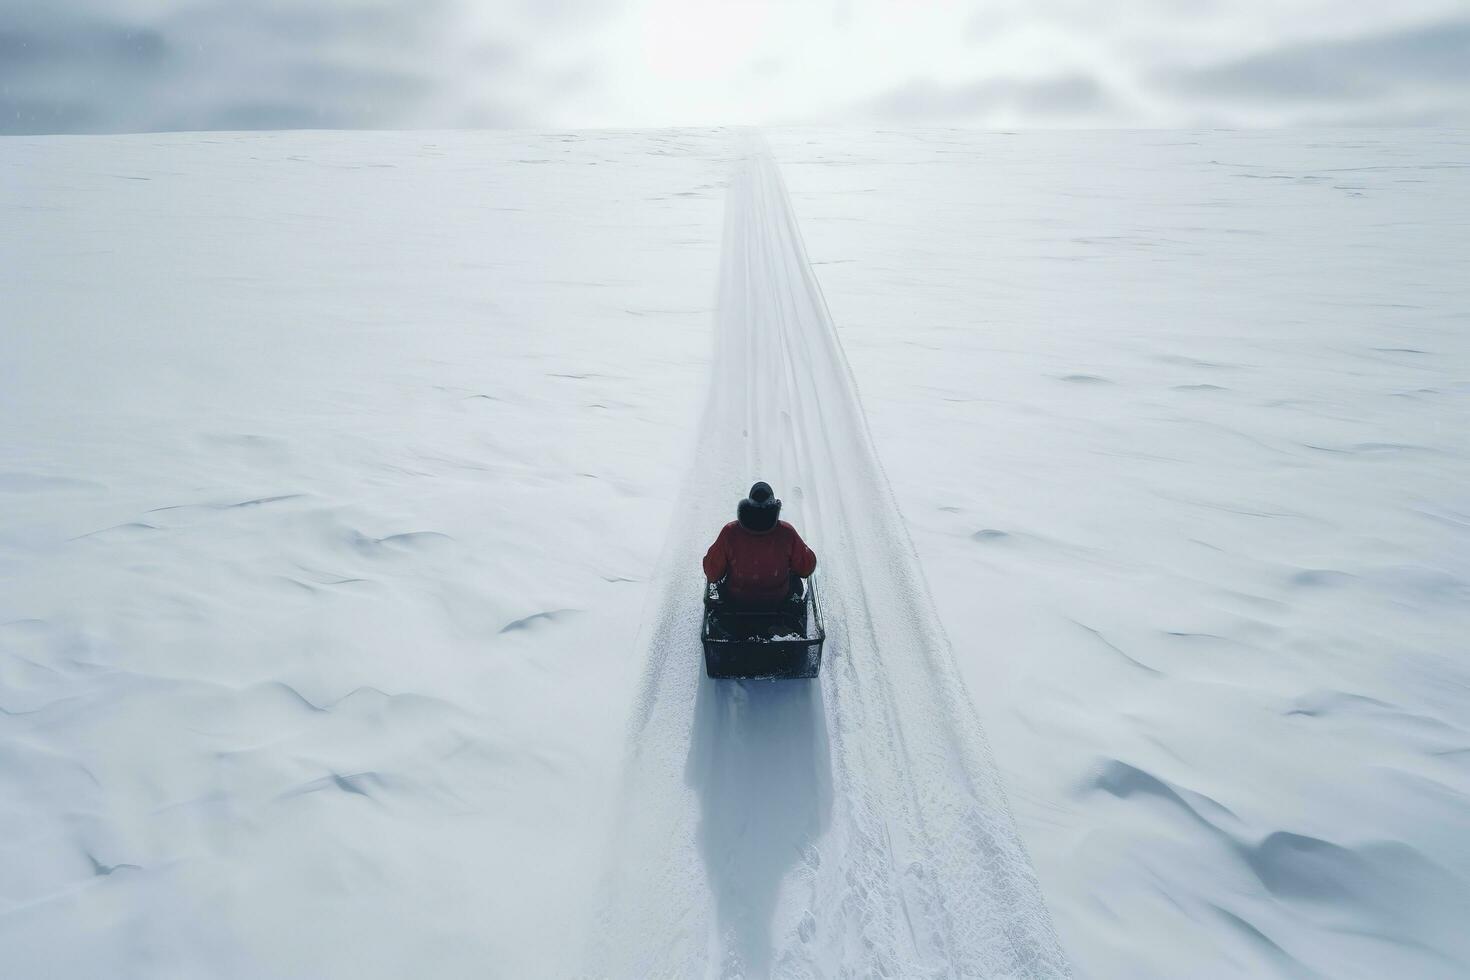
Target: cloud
[[1433, 56], [925, 100], [138, 65], [130, 65]]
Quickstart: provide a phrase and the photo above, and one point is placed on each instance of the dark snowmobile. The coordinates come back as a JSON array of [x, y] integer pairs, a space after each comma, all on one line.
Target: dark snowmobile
[[780, 643]]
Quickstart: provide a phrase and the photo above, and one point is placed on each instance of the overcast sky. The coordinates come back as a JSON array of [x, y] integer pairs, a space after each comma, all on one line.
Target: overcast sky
[[133, 65]]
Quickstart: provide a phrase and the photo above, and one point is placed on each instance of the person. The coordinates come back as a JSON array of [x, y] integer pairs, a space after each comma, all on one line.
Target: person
[[755, 557]]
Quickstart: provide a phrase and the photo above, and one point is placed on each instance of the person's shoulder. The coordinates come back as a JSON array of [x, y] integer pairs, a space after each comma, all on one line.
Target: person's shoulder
[[785, 527], [730, 528]]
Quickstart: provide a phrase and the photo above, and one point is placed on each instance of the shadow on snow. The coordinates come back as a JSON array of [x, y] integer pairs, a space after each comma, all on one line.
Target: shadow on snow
[[760, 764]]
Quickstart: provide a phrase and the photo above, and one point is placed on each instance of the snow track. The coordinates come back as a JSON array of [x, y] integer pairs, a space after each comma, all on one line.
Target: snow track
[[852, 826]]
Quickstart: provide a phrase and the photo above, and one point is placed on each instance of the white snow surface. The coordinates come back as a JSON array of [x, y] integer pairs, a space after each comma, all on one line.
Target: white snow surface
[[354, 486], [336, 467], [852, 824], [1178, 422]]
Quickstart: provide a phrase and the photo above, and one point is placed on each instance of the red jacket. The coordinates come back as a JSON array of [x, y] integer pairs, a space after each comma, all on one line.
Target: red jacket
[[757, 566]]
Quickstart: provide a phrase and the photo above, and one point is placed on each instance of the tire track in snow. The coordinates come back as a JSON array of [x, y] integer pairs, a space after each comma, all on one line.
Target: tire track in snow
[[851, 826]]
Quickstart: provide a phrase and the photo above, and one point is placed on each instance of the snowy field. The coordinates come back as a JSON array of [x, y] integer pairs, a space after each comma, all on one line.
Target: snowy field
[[1179, 424], [353, 488]]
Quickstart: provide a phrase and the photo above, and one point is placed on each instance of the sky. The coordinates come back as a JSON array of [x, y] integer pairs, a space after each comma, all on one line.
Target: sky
[[82, 66]]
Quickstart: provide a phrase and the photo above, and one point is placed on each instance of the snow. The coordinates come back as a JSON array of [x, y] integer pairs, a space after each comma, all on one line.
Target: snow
[[336, 466], [354, 486], [1177, 422], [854, 823]]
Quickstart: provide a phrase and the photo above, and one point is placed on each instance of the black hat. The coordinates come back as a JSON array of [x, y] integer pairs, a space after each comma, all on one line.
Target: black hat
[[759, 511]]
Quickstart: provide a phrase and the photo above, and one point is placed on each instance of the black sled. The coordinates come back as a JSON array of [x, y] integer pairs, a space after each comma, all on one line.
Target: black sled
[[784, 643]]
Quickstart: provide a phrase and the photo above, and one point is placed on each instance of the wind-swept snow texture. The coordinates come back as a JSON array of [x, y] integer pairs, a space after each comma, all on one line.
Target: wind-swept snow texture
[[333, 467], [335, 470], [849, 826], [1180, 425]]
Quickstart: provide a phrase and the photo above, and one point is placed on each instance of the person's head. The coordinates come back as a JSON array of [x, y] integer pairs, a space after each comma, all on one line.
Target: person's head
[[760, 510]]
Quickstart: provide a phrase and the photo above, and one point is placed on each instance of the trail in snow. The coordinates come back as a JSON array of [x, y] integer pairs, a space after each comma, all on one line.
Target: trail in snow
[[850, 826]]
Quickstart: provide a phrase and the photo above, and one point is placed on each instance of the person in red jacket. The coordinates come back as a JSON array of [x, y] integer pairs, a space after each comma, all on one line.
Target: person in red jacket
[[756, 555]]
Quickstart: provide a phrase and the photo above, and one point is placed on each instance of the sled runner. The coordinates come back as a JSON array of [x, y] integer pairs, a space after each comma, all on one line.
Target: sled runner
[[781, 643]]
